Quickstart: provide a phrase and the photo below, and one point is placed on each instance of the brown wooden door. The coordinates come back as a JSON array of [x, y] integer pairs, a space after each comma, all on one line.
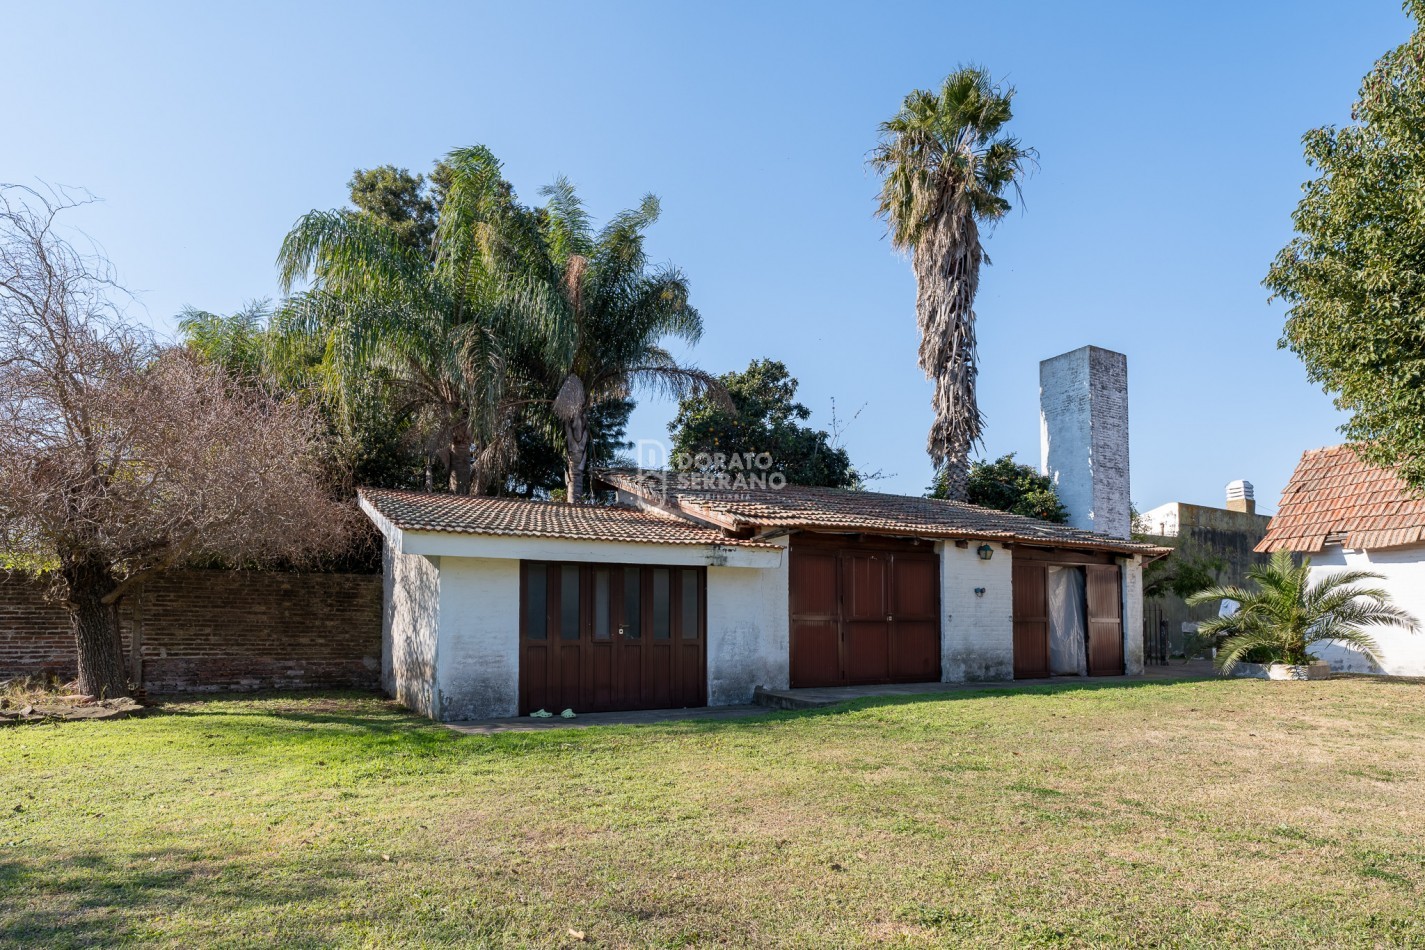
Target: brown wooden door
[[1105, 609], [1031, 620], [863, 614], [816, 618], [865, 618], [597, 638], [915, 612]]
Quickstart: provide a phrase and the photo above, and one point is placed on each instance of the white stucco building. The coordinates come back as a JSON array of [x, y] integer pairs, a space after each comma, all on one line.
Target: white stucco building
[[1345, 514], [499, 607]]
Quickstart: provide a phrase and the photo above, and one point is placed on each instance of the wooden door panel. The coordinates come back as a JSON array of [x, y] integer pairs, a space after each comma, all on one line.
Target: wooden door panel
[[1105, 610], [915, 588], [915, 627], [915, 651], [816, 653], [867, 654], [813, 585], [863, 587], [1031, 621], [815, 618]]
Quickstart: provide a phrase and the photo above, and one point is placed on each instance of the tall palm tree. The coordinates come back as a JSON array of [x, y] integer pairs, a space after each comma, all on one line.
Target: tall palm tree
[[1285, 614], [610, 314], [430, 327], [947, 165]]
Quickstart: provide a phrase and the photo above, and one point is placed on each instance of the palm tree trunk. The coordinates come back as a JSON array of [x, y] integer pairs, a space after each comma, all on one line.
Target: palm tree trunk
[[957, 478], [96, 630], [947, 273], [576, 443], [461, 465]]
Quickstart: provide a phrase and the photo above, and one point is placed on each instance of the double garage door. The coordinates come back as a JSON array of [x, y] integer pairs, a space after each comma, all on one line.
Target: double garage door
[[604, 637], [1096, 619], [864, 613]]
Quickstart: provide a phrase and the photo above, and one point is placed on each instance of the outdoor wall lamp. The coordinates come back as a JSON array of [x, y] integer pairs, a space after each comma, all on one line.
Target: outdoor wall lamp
[[985, 552], [979, 592]]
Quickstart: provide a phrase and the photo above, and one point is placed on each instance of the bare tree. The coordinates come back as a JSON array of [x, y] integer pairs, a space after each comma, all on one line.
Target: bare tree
[[120, 458]]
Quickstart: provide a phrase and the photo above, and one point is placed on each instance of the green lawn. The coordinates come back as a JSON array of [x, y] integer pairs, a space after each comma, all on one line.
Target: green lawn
[[1240, 812]]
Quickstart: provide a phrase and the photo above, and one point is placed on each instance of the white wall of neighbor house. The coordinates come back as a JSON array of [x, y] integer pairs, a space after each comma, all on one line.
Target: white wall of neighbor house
[[1402, 653], [1132, 614], [976, 630], [748, 626], [478, 675], [410, 618]]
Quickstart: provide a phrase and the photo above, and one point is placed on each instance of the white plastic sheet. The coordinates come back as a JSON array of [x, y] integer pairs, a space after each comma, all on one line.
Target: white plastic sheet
[[1068, 611]]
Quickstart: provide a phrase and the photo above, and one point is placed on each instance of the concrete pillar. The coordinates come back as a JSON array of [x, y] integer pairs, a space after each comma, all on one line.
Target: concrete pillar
[[1083, 437]]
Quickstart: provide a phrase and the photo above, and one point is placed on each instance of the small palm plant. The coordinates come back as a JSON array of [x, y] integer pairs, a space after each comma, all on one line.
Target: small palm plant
[[1286, 614]]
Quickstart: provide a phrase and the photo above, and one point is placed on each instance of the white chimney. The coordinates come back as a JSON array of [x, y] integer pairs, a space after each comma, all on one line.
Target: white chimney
[[1083, 437], [1241, 497]]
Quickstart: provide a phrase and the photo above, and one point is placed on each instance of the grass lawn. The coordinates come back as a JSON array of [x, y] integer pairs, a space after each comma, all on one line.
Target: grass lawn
[[1242, 812]]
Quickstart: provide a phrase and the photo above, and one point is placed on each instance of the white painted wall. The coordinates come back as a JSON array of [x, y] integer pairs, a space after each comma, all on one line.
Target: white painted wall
[[1403, 654], [478, 674], [1132, 614], [409, 623], [976, 632], [749, 626]]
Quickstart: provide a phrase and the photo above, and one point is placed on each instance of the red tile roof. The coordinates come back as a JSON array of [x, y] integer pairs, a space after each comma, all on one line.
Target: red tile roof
[[1334, 496], [836, 509], [514, 517]]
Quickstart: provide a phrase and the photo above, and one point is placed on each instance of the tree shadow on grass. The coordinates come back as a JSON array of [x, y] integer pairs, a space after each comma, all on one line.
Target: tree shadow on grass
[[93, 899]]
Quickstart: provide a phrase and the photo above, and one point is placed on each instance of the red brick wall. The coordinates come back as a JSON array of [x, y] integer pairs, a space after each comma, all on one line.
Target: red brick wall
[[217, 630]]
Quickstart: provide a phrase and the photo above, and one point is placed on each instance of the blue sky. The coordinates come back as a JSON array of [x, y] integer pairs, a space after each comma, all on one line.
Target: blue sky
[[1169, 165]]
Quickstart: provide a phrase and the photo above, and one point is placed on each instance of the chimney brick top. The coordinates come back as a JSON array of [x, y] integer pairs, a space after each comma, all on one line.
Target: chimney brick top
[[1241, 497]]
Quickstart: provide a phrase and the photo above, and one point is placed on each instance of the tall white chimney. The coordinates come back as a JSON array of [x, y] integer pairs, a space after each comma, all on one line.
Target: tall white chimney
[[1083, 437]]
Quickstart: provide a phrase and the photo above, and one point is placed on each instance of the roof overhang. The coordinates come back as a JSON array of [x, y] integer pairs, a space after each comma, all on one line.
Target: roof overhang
[[533, 548]]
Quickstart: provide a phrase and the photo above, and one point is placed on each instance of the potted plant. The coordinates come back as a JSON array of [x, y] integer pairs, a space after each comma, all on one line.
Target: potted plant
[[1278, 621]]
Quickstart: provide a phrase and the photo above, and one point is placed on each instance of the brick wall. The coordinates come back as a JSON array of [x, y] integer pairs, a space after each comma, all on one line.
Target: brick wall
[[216, 630]]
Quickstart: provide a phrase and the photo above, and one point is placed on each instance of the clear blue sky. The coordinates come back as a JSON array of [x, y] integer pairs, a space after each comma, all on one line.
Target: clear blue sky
[[1169, 152]]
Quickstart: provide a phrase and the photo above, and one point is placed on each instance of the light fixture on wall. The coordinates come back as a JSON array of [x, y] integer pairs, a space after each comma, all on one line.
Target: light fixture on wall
[[985, 552], [979, 592]]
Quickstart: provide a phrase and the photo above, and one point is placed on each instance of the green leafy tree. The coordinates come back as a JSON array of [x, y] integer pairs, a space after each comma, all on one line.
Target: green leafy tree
[[764, 416], [369, 445], [947, 164], [1006, 485], [1284, 614], [429, 330], [1352, 275], [610, 313]]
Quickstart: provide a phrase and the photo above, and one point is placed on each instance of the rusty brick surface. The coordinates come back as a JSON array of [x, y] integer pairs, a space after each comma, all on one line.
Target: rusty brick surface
[[216, 630]]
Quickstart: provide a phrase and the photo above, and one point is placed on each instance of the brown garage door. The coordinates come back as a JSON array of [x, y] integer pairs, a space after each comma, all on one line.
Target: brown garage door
[[606, 637], [863, 613]]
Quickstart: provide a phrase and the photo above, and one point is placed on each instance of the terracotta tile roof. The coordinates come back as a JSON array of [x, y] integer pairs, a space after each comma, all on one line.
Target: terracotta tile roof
[[1334, 497], [834, 509], [514, 517]]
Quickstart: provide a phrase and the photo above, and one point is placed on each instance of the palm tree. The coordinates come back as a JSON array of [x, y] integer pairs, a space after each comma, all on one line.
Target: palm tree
[[947, 165], [429, 327], [609, 314], [1286, 614]]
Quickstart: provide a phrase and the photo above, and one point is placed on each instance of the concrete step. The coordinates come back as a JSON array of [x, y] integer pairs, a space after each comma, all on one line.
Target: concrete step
[[789, 699]]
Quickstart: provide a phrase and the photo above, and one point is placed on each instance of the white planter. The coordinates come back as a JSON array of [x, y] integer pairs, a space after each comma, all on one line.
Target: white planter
[[1315, 670]]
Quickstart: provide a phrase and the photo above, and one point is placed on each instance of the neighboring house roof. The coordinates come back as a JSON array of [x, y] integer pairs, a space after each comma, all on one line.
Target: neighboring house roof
[[514, 517], [836, 509], [1335, 497]]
